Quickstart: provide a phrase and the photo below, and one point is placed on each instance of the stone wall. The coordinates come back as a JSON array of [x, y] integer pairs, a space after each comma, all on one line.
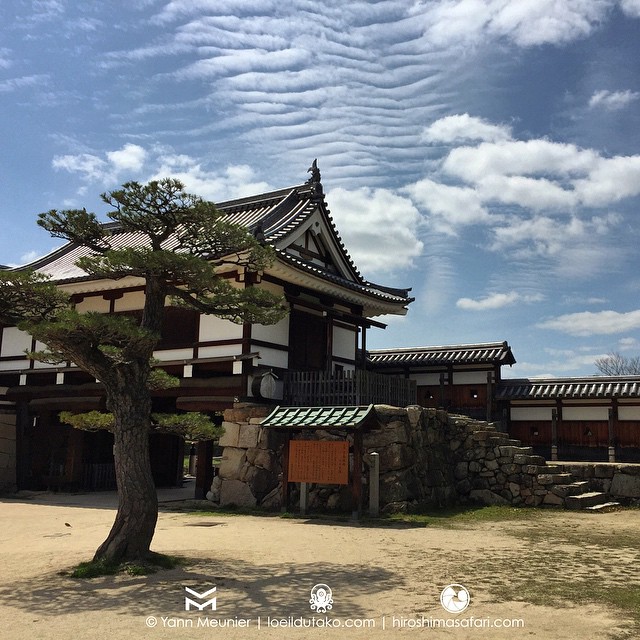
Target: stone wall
[[7, 452], [427, 458]]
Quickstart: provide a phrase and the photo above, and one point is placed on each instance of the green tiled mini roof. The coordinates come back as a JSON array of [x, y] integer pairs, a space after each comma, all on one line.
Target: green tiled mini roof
[[350, 418]]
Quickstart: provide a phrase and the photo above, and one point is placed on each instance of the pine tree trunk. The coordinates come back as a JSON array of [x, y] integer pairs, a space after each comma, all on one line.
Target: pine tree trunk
[[131, 534]]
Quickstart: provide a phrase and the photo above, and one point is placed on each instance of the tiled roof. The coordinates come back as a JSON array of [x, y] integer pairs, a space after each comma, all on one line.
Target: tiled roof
[[489, 353], [276, 214], [552, 388], [348, 418]]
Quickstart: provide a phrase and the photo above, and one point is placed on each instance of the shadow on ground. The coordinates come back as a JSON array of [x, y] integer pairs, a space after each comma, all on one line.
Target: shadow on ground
[[244, 589]]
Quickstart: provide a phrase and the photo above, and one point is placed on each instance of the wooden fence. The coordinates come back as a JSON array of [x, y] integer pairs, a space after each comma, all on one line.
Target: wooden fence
[[348, 388]]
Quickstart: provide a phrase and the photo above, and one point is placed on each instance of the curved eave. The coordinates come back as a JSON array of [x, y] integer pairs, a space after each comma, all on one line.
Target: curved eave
[[374, 302]]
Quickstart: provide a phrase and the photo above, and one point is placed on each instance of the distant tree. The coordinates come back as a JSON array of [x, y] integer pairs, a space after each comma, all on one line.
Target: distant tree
[[615, 364], [117, 350]]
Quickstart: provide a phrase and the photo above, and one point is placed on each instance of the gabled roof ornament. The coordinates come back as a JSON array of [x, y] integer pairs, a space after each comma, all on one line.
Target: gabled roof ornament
[[314, 180]]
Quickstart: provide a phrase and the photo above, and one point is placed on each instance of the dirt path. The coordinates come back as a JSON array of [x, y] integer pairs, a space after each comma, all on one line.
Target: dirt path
[[264, 569]]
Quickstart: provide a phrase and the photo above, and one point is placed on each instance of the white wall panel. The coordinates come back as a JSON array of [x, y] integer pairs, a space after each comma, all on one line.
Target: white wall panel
[[585, 413], [214, 328], [519, 414], [14, 342], [344, 343]]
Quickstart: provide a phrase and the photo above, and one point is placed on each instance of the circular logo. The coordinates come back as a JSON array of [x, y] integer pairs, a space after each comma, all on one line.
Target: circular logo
[[321, 598], [455, 598]]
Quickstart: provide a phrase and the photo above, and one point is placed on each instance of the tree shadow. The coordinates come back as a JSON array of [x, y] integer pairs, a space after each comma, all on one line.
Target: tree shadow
[[243, 589]]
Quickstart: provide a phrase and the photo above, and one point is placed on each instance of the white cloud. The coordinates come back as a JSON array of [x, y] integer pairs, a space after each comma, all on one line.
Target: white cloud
[[587, 323], [379, 228], [450, 207], [129, 159], [631, 7], [235, 181], [524, 22], [613, 100], [463, 127], [497, 301], [629, 344], [13, 84]]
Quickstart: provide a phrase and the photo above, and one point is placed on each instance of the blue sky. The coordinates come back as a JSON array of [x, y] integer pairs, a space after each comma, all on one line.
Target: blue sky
[[484, 152]]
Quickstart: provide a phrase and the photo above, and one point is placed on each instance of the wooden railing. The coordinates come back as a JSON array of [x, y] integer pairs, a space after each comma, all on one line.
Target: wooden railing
[[348, 388]]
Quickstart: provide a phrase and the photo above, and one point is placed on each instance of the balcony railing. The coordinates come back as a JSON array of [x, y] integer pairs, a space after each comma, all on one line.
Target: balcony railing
[[348, 388]]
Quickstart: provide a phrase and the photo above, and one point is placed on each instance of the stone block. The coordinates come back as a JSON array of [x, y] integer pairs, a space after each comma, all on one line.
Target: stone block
[[514, 488], [248, 436], [393, 432], [603, 471], [396, 456], [626, 486], [474, 467], [273, 500], [230, 436], [491, 465], [234, 492], [553, 499], [510, 468], [461, 470], [214, 494], [233, 460]]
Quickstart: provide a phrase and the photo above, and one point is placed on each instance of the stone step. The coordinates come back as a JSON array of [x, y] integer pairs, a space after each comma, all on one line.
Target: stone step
[[504, 441], [534, 469], [527, 459], [585, 500], [605, 506], [572, 489], [554, 478]]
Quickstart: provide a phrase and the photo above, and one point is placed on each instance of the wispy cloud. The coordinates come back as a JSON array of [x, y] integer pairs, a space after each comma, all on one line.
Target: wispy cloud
[[497, 301], [613, 100], [588, 323], [22, 82]]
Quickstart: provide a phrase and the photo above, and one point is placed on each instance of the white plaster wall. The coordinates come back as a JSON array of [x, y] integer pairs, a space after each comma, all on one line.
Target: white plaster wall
[[426, 379], [9, 365], [130, 301], [344, 343], [214, 328], [93, 303], [469, 377], [628, 413], [585, 413], [531, 413], [218, 352], [272, 357], [173, 354], [14, 342], [277, 333]]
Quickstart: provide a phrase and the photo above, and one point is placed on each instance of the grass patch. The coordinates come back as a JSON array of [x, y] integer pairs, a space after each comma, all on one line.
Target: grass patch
[[152, 564], [452, 517]]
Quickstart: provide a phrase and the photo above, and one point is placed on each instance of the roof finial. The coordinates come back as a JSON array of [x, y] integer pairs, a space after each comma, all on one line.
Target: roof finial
[[315, 177]]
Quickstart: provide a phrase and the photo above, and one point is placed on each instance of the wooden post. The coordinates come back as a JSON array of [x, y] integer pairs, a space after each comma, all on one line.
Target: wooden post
[[612, 445], [374, 484], [441, 403], [356, 477], [304, 498], [554, 434], [204, 468], [285, 475], [489, 396]]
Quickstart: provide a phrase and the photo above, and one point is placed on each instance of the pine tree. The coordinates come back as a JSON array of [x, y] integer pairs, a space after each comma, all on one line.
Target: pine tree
[[183, 245]]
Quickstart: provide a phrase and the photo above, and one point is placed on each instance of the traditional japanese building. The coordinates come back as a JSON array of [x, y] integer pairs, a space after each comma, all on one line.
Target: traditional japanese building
[[460, 378], [218, 362]]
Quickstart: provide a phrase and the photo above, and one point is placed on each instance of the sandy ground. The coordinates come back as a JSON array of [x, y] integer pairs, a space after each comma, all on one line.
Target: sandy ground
[[388, 578]]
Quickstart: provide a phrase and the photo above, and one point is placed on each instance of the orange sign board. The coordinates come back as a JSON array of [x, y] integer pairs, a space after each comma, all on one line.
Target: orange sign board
[[318, 461]]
